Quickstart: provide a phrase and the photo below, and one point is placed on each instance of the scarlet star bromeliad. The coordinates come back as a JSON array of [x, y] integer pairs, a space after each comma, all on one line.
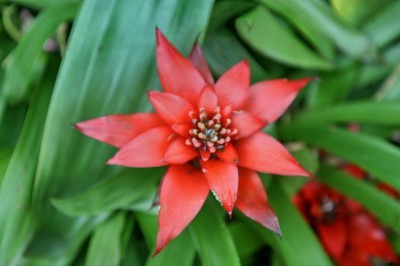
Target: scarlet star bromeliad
[[208, 134]]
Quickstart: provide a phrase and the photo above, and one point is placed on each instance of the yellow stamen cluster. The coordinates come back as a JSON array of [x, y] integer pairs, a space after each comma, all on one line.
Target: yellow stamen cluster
[[210, 131]]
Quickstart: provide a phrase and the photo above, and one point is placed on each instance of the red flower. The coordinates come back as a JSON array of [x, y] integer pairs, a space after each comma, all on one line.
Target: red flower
[[349, 234], [209, 135]]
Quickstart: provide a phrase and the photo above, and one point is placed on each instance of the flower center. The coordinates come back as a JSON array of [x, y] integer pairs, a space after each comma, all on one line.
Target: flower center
[[210, 132], [330, 209]]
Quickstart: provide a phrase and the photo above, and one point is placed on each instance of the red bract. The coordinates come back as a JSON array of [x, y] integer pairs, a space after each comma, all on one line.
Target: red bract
[[208, 134], [350, 235]]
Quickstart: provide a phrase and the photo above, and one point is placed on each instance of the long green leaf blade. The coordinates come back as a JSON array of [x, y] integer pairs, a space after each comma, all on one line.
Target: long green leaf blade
[[371, 153], [119, 191], [261, 30], [28, 54], [214, 243], [318, 16], [105, 244], [380, 113], [16, 186]]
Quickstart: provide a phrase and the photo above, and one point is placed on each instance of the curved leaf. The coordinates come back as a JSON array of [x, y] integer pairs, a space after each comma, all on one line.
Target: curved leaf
[[17, 183], [320, 17], [214, 243], [266, 34], [371, 153], [380, 113], [181, 245], [119, 191], [105, 244], [28, 55], [382, 27]]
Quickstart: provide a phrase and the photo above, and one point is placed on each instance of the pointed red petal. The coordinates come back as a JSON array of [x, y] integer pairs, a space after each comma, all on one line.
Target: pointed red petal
[[233, 86], [197, 58], [183, 192], [182, 129], [146, 150], [178, 152], [117, 130], [252, 200], [208, 99], [170, 107], [263, 153], [333, 237], [228, 154], [223, 180], [177, 74], [269, 99], [246, 123]]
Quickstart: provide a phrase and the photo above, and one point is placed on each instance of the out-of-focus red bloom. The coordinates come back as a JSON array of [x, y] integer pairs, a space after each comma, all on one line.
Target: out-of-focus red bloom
[[389, 190], [209, 135], [354, 170], [349, 234]]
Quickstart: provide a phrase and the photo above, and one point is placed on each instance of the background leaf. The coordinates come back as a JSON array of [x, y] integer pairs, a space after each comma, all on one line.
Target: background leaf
[[21, 72], [267, 35], [105, 245], [214, 243], [361, 149], [126, 188]]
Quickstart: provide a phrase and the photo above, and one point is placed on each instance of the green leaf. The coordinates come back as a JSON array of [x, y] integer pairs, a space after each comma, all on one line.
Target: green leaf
[[105, 244], [43, 3], [334, 86], [108, 66], [213, 243], [319, 40], [221, 59], [375, 155], [382, 28], [386, 208], [11, 124], [16, 187], [181, 245], [246, 240], [370, 73], [23, 71], [357, 11], [5, 156], [307, 159], [390, 90], [318, 16], [225, 10], [128, 187], [380, 113], [261, 30], [299, 245]]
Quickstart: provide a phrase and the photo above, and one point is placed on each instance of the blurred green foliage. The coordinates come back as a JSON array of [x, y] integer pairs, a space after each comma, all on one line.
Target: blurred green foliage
[[68, 61]]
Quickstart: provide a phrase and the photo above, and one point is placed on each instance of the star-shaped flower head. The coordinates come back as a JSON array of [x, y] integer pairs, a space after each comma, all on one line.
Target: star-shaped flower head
[[209, 135]]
